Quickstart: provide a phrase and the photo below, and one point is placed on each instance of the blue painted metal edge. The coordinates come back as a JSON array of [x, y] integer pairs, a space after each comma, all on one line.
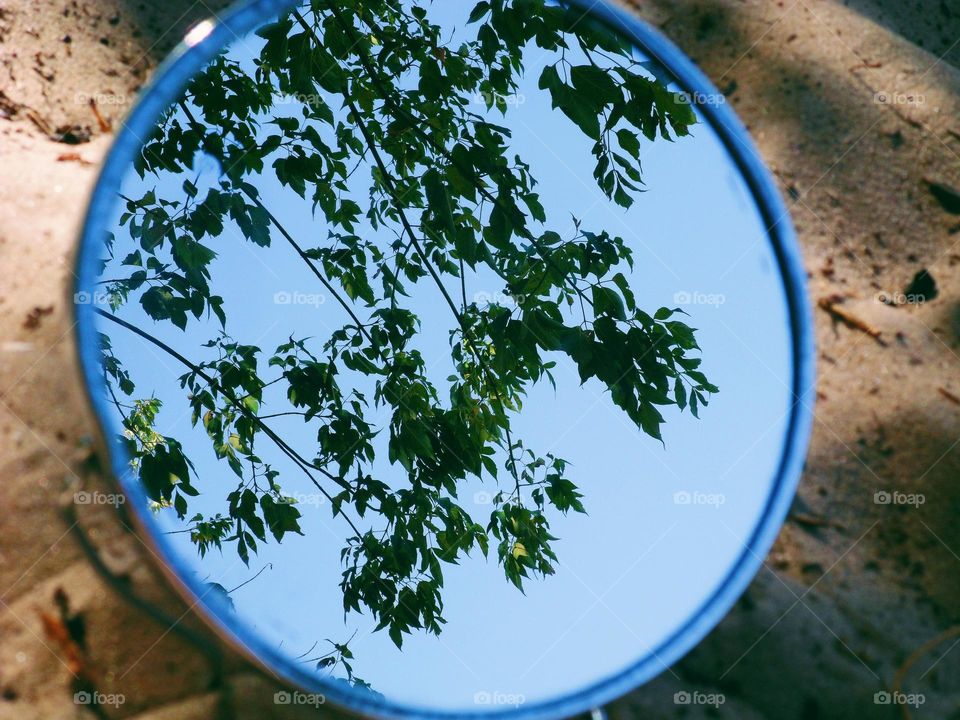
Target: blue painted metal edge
[[169, 81]]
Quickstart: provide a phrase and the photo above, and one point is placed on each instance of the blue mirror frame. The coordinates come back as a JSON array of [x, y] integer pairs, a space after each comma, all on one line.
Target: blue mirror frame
[[200, 46]]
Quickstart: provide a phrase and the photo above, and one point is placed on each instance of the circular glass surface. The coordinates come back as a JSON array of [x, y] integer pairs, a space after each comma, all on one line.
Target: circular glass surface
[[453, 355]]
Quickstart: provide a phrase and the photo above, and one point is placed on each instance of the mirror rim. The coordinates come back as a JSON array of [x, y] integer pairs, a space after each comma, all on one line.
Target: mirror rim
[[165, 86]]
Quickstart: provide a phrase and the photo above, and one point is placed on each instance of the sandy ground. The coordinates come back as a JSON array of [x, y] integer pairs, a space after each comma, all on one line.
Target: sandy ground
[[853, 105]]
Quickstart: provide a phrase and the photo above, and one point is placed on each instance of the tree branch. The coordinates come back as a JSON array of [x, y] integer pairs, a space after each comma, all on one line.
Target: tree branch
[[408, 228], [415, 125], [289, 238], [299, 460], [326, 283]]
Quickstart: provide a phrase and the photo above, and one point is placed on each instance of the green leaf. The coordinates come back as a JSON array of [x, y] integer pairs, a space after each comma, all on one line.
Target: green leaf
[[629, 142], [595, 85], [606, 301], [581, 110], [479, 10], [680, 393]]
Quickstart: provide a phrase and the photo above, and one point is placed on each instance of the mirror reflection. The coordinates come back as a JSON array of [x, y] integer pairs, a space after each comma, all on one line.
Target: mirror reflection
[[448, 346]]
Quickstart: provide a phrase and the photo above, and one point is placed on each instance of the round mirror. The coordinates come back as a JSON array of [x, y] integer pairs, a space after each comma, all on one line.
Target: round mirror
[[453, 356]]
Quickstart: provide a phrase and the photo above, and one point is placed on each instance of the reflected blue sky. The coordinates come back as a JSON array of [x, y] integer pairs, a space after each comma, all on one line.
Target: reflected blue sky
[[665, 522]]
